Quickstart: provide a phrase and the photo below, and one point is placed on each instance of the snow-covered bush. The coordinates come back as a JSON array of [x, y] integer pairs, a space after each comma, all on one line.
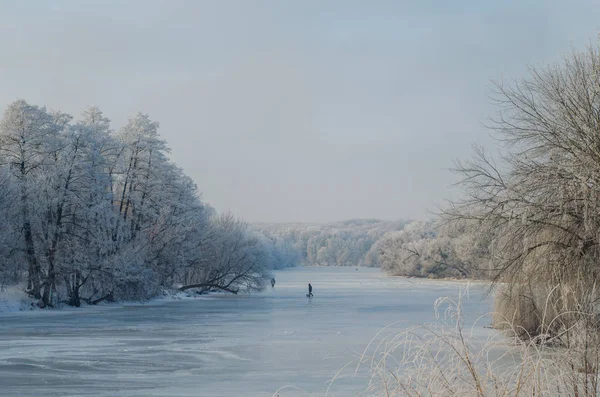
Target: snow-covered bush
[[135, 282]]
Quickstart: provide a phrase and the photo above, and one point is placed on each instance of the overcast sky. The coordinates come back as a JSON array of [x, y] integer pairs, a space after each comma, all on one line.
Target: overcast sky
[[293, 110]]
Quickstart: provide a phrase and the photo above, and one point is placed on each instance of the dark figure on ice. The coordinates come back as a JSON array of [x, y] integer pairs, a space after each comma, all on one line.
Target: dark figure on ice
[[272, 282], [310, 294]]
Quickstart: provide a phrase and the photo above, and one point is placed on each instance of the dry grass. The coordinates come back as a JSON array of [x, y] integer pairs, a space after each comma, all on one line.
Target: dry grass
[[445, 359]]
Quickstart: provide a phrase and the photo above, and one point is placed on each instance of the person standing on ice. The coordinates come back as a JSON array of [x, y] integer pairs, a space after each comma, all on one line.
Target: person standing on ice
[[273, 282], [310, 294]]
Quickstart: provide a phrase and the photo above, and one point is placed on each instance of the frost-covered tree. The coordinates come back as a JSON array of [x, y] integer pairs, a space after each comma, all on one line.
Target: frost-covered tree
[[12, 259], [235, 259], [90, 215], [432, 249], [281, 253], [28, 141], [542, 199]]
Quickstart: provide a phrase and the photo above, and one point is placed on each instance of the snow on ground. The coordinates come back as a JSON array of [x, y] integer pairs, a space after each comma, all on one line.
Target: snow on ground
[[224, 345], [14, 299]]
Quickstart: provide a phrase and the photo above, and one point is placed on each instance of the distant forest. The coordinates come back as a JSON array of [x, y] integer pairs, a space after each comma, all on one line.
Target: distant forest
[[405, 248], [346, 243]]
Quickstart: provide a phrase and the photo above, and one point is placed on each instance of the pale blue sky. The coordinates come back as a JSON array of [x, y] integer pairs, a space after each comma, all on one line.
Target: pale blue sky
[[292, 110]]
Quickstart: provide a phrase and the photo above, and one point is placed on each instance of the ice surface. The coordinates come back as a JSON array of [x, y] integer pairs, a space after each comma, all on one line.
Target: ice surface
[[224, 346]]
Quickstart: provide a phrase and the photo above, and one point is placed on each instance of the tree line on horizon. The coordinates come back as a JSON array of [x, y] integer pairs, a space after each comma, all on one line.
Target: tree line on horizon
[[400, 248]]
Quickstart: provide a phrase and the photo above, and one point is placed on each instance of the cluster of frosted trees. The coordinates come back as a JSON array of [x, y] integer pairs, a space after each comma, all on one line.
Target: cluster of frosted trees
[[432, 249], [347, 243], [87, 214]]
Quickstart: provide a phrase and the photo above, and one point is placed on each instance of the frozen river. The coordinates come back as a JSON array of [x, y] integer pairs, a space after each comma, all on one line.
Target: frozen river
[[223, 345]]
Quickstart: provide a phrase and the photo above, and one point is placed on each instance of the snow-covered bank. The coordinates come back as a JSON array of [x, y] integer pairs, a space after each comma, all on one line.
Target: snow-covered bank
[[15, 299]]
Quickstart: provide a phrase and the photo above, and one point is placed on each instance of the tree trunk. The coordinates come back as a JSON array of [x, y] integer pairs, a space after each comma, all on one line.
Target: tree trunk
[[206, 287], [48, 283], [34, 266], [73, 290], [107, 297], [51, 254]]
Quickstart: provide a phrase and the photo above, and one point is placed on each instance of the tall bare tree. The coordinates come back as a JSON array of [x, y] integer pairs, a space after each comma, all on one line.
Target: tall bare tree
[[542, 200]]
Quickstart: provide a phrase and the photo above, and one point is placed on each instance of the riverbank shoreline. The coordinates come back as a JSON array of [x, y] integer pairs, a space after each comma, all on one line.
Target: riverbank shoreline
[[14, 299]]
